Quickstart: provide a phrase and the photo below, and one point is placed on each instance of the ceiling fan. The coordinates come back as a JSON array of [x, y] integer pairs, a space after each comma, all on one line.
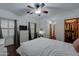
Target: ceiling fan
[[37, 9]]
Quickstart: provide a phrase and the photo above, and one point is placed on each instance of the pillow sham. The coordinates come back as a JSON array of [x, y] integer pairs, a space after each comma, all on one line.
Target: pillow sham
[[76, 45]]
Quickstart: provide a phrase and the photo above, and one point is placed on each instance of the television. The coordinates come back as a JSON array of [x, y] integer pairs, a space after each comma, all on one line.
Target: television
[[22, 27]]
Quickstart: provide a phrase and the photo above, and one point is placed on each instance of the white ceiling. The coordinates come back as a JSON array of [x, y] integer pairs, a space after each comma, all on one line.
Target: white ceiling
[[55, 8]]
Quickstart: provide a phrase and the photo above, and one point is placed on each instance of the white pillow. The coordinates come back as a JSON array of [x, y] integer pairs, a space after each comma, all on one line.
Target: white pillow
[[76, 45]]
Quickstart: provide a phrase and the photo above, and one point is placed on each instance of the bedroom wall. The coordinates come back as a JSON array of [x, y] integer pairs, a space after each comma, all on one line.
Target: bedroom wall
[[23, 20], [44, 25]]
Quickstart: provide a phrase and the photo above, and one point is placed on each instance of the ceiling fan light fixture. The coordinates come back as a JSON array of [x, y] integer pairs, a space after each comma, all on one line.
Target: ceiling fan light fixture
[[37, 11]]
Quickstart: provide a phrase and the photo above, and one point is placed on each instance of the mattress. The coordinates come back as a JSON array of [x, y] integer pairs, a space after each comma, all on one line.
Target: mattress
[[46, 47]]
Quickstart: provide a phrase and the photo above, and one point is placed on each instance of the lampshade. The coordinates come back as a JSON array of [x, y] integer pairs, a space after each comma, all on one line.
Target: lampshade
[[41, 32]]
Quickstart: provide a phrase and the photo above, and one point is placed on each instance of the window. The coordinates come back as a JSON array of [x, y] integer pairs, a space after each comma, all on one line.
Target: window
[[7, 27]]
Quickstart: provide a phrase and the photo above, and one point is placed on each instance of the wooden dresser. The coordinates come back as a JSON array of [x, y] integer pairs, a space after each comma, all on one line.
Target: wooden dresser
[[71, 30]]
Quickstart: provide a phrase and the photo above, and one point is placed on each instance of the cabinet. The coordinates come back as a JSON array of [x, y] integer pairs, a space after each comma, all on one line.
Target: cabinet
[[71, 29]]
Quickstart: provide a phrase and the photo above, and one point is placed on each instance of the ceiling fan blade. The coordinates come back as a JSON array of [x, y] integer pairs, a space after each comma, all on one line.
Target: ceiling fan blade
[[45, 12], [30, 6], [31, 13], [28, 11], [37, 5], [42, 5]]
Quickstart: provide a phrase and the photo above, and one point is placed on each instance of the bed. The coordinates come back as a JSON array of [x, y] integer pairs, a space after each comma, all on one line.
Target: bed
[[46, 47]]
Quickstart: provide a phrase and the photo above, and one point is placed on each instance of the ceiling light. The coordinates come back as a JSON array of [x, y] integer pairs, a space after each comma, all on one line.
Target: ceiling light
[[38, 11]]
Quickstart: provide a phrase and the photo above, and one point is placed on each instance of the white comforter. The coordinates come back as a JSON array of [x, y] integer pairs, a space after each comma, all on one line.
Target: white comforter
[[46, 47]]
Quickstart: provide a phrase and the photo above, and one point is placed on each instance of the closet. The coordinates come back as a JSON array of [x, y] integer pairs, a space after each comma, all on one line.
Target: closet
[[71, 29]]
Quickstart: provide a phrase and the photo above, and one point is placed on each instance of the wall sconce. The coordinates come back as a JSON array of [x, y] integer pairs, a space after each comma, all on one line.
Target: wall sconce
[[50, 22]]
